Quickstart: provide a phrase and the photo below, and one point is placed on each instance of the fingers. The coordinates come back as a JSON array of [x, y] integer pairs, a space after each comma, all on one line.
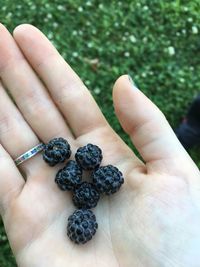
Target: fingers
[[15, 134], [66, 88], [147, 127], [29, 93], [11, 181]]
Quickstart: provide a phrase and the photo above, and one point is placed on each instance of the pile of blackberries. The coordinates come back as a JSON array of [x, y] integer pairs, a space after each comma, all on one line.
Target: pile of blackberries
[[107, 180]]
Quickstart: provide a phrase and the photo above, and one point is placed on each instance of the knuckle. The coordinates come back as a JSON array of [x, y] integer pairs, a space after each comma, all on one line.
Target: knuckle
[[69, 91], [6, 124]]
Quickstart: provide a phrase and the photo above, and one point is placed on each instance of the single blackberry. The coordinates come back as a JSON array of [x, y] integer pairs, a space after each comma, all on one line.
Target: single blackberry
[[69, 177], [56, 151], [81, 226], [107, 179], [89, 157], [86, 196]]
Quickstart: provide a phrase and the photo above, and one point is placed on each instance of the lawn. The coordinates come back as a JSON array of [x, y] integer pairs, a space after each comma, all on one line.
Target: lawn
[[156, 42]]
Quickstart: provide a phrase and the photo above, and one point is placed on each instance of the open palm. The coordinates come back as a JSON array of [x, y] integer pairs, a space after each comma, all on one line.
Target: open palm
[[152, 221]]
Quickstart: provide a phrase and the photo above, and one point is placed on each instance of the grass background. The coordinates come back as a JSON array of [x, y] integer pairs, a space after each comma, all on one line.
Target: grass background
[[156, 42]]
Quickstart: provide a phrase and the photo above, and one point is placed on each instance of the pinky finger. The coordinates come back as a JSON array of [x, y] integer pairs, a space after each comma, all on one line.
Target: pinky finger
[[11, 180]]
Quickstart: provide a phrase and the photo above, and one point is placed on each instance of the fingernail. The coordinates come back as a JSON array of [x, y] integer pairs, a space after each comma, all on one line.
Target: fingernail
[[132, 82]]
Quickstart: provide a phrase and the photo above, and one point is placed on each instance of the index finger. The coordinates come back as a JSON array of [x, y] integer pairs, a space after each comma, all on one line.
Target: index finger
[[67, 90]]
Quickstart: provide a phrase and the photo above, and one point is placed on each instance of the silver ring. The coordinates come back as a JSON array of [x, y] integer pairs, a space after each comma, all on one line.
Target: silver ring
[[29, 154]]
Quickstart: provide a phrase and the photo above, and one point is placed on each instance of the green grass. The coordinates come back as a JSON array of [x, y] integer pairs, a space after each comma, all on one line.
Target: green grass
[[132, 36]]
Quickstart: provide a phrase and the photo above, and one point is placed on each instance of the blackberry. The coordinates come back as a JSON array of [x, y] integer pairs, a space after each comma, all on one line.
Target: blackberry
[[56, 151], [89, 157], [81, 226], [107, 179], [69, 177], [86, 196]]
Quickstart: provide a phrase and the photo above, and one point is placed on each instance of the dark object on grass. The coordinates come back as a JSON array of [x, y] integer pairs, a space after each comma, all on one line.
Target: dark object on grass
[[56, 151], [188, 131], [86, 196], [107, 179], [81, 226], [89, 157], [69, 177]]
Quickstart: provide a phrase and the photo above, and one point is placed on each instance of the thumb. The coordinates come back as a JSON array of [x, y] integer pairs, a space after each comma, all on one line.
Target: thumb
[[148, 129]]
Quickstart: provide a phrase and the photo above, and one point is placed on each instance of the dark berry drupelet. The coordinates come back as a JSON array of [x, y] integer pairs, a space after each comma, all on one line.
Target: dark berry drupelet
[[107, 179], [86, 196], [81, 226], [89, 157], [70, 176], [56, 151]]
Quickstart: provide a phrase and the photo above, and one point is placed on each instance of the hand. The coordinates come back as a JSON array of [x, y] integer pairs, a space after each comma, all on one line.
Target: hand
[[152, 221]]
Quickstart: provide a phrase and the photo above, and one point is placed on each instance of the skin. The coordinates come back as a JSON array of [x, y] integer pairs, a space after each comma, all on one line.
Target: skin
[[152, 221]]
